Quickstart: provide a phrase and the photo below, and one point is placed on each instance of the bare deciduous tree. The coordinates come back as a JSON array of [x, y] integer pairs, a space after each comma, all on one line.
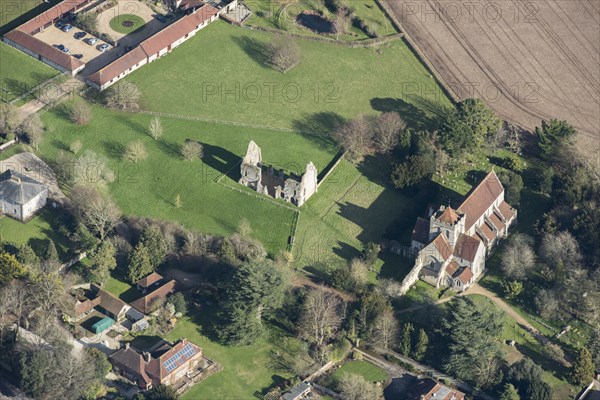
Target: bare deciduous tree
[[359, 271], [33, 128], [283, 53], [385, 332], [386, 133], [547, 303], [135, 152], [356, 387], [244, 227], [320, 319], [518, 257], [561, 246], [356, 138], [92, 169], [10, 118], [192, 150], [96, 210], [342, 18], [80, 113], [155, 130]]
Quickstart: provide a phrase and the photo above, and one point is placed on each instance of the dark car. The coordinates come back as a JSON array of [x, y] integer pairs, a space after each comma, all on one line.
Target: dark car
[[79, 35], [60, 47], [78, 56], [60, 24], [66, 28], [161, 18]]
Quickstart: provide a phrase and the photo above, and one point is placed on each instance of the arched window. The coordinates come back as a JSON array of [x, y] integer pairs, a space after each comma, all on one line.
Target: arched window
[[448, 234], [431, 264]]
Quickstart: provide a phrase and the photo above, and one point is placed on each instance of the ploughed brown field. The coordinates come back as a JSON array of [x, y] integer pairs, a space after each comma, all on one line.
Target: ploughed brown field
[[530, 60]]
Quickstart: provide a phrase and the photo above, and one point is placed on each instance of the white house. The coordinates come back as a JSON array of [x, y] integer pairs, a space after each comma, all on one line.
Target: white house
[[21, 196]]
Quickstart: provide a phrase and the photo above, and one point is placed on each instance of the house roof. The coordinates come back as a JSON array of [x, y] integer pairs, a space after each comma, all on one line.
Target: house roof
[[110, 302], [177, 30], [44, 49], [118, 66], [144, 304], [17, 188], [442, 246], [160, 40], [506, 210], [420, 232], [149, 280], [133, 361], [487, 232], [464, 275], [47, 17], [168, 362], [187, 4], [466, 247], [480, 198], [428, 389], [497, 221], [452, 267], [448, 216]]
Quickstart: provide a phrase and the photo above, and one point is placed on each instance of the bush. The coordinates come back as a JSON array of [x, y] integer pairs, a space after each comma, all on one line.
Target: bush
[[192, 150], [80, 113]]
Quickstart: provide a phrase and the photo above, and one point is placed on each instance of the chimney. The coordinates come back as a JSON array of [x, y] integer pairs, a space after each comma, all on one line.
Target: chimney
[[147, 356], [126, 345]]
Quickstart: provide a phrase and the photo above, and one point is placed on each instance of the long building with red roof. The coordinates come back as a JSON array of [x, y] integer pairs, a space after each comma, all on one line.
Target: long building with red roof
[[451, 244]]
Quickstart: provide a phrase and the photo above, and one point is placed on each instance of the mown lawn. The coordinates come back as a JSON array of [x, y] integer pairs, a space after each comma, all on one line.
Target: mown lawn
[[246, 369], [283, 16], [370, 372], [149, 188], [220, 74], [20, 73], [14, 13]]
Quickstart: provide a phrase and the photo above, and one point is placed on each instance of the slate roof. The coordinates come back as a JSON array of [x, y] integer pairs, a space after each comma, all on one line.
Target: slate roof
[[144, 304], [16, 188], [420, 232], [480, 198]]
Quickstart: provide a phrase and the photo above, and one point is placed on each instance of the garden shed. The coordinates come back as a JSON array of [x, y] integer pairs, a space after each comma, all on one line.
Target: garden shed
[[103, 325]]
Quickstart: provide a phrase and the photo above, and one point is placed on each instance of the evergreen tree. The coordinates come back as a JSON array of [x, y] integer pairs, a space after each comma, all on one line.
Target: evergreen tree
[[226, 252], [51, 254], [553, 135], [595, 347], [26, 256], [140, 264], [154, 241], [472, 331], [10, 268], [420, 347], [509, 393], [102, 261], [406, 339], [255, 289], [161, 392], [34, 371], [583, 368], [527, 377]]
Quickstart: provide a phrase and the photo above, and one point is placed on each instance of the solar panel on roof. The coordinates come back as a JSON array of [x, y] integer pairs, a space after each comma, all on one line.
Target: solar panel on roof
[[188, 351]]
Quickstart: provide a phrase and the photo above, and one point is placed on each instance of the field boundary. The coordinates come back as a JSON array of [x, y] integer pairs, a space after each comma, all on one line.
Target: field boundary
[[420, 54], [34, 89]]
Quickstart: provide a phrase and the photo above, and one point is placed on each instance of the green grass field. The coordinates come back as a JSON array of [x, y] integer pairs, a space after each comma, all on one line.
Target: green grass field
[[134, 23], [14, 13], [20, 73], [150, 187], [282, 16], [370, 372], [219, 74], [246, 369]]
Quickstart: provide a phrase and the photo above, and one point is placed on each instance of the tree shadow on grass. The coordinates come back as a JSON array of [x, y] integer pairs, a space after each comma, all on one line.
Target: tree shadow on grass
[[16, 87], [133, 125], [60, 145], [113, 149], [255, 49], [414, 117], [319, 127]]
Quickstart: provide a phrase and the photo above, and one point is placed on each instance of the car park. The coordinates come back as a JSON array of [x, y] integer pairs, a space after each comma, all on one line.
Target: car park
[[79, 35], [104, 47], [91, 41]]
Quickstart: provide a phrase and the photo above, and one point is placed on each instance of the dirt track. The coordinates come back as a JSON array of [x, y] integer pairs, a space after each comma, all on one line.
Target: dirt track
[[529, 60]]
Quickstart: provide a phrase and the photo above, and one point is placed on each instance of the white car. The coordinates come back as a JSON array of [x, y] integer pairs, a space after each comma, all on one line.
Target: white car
[[104, 47], [92, 41]]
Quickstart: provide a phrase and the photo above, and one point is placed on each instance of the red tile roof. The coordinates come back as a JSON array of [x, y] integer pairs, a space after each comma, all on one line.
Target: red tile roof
[[487, 231], [465, 275], [480, 198], [118, 66], [449, 216], [466, 247], [133, 362], [145, 303], [156, 367], [44, 49], [149, 280], [442, 246], [506, 210], [47, 17], [452, 267], [177, 30], [497, 221]]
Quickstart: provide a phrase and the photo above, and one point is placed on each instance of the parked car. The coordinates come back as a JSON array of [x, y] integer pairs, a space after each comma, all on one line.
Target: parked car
[[91, 41], [59, 46], [67, 28], [78, 56], [79, 35], [60, 24], [104, 47], [66, 50], [161, 18]]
